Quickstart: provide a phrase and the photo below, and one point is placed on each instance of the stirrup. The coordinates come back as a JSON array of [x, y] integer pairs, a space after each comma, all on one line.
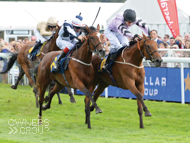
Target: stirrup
[[56, 66], [30, 57]]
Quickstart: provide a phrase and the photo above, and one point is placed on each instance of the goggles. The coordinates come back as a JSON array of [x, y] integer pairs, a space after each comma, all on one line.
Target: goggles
[[77, 27], [51, 26]]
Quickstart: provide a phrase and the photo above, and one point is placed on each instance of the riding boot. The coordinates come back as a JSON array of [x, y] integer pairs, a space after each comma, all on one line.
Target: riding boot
[[107, 62], [30, 55], [57, 64]]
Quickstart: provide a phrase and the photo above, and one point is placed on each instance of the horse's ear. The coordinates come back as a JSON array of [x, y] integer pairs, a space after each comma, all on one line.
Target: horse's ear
[[98, 27], [86, 30], [144, 36]]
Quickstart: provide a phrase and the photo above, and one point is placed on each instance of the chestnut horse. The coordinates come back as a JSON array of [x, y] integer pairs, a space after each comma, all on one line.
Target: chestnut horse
[[26, 64], [79, 74], [128, 72]]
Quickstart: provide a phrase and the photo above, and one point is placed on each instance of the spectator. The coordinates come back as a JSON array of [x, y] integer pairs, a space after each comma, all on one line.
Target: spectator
[[33, 38], [26, 40], [167, 38], [187, 37], [163, 46], [4, 50], [186, 44], [179, 41], [154, 36], [160, 38], [19, 40], [172, 41]]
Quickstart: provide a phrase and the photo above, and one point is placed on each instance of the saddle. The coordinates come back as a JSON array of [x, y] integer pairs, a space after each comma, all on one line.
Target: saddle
[[38, 51], [112, 58]]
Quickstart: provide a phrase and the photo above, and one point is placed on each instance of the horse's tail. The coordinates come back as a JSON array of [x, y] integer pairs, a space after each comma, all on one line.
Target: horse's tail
[[10, 62]]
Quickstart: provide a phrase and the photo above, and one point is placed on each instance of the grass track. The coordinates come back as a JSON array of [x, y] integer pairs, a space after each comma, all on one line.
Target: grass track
[[119, 122]]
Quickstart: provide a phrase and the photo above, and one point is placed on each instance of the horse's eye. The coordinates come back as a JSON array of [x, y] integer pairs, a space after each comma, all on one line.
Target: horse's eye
[[92, 38]]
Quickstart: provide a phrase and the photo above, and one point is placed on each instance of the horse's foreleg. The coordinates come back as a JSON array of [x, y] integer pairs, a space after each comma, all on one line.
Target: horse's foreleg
[[131, 86], [140, 110], [42, 92], [72, 99], [87, 111], [99, 90], [55, 90]]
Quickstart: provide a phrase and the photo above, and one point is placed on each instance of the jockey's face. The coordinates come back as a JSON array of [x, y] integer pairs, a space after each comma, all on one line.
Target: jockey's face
[[77, 29], [128, 23], [52, 28]]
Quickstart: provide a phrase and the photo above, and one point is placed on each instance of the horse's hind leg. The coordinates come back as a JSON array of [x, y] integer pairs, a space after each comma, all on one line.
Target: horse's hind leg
[[56, 89], [72, 99], [28, 75], [59, 99], [19, 78], [87, 111]]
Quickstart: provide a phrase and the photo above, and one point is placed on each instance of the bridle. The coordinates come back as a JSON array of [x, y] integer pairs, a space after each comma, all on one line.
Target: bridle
[[94, 46], [147, 51]]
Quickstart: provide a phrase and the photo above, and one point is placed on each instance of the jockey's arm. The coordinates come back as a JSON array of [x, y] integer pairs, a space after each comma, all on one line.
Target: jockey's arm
[[43, 31], [123, 30], [143, 26]]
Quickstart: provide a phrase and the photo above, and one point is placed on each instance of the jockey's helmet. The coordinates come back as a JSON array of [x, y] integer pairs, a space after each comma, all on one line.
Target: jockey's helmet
[[77, 21], [52, 22], [129, 15]]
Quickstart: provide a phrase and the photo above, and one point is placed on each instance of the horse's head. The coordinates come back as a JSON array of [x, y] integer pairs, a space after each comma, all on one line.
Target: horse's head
[[151, 51], [94, 41]]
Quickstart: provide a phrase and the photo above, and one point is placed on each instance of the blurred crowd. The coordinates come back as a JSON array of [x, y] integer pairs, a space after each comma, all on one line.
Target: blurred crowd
[[13, 47]]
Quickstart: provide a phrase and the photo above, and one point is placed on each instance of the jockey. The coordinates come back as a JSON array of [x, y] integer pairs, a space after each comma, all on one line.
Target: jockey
[[43, 32], [68, 36], [117, 31]]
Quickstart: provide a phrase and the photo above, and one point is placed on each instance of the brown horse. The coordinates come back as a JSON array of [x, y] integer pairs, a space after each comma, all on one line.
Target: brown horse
[[128, 72], [27, 65], [79, 75]]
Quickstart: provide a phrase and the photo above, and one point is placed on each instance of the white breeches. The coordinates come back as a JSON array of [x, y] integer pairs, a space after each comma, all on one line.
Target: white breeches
[[39, 37], [64, 43], [116, 40]]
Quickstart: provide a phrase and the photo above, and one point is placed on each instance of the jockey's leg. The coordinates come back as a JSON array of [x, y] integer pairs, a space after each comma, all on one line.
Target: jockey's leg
[[30, 56], [66, 46], [115, 45], [41, 40]]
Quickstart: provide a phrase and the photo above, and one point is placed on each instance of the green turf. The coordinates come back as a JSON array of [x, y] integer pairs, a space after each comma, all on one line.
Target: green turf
[[119, 122]]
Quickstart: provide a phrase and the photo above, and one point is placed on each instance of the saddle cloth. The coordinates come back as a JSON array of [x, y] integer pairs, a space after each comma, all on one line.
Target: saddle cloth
[[38, 51]]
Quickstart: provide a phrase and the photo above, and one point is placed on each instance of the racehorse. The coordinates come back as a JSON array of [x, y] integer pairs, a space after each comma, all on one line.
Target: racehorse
[[26, 64], [78, 75], [128, 72]]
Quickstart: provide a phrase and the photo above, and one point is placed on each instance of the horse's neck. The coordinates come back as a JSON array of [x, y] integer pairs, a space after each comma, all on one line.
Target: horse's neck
[[134, 53], [83, 53]]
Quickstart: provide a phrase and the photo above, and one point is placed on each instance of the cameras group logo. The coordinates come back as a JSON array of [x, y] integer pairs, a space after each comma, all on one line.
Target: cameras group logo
[[24, 126]]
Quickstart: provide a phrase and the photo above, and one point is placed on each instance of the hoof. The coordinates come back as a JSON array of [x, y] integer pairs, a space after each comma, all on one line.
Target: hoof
[[141, 127], [60, 103], [72, 100], [89, 127], [98, 110], [13, 87], [148, 114]]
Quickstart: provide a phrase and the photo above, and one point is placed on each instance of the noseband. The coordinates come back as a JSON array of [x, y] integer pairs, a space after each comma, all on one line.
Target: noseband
[[146, 48], [94, 46]]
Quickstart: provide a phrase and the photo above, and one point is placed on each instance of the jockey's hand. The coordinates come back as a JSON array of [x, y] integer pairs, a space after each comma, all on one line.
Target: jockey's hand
[[82, 37], [135, 37]]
